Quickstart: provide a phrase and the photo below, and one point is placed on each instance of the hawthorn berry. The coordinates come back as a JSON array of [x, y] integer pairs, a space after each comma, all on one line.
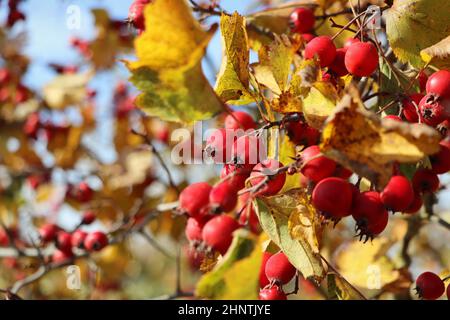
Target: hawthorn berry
[[348, 43], [61, 256], [429, 286], [4, 239], [223, 197], [136, 14], [81, 192], [194, 229], [302, 20], [272, 293], [425, 181], [48, 232], [316, 166], [361, 59], [247, 150], [307, 37], [440, 162], [278, 269], [342, 172], [333, 197], [322, 47], [194, 197], [338, 64], [263, 280], [448, 292], [219, 143], [369, 213], [300, 133], [247, 214], [77, 239], [218, 233], [266, 169], [439, 84], [423, 79], [96, 241], [393, 117], [398, 194], [63, 241], [444, 128], [88, 217], [235, 176], [411, 111], [433, 111], [415, 205], [239, 120]]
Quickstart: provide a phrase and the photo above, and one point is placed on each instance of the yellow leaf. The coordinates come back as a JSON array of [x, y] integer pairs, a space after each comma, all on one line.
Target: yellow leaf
[[319, 103], [361, 141], [438, 54], [287, 153], [339, 288], [413, 25], [168, 70], [233, 78], [137, 165], [66, 90]]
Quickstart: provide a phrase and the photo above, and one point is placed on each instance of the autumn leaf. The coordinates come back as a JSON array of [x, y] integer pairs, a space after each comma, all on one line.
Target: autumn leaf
[[137, 165], [66, 90], [320, 103], [340, 289], [413, 25], [290, 224], [233, 78], [168, 70], [438, 54], [360, 140]]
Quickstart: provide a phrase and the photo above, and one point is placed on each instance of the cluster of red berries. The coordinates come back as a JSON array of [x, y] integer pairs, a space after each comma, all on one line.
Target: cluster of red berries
[[275, 271], [80, 192], [65, 242], [136, 14], [356, 57], [11, 91], [430, 286]]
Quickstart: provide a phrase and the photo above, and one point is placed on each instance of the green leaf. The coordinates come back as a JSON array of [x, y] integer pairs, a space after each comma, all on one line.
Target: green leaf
[[389, 84], [282, 217], [215, 284], [341, 289], [233, 79], [168, 70], [413, 25]]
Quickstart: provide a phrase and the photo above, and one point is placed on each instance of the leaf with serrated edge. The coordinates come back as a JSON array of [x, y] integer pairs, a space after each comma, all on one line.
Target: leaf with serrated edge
[[438, 54]]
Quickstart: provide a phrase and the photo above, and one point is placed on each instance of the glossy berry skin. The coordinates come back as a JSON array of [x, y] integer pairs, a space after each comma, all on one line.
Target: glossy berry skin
[[77, 239], [61, 256], [433, 111], [247, 150], [267, 168], [194, 197], [338, 64], [300, 133], [398, 194], [248, 217], [235, 176], [219, 143], [279, 269], [440, 162], [63, 241], [307, 37], [348, 43], [425, 181], [96, 241], [223, 197], [429, 286], [194, 229], [423, 79], [316, 166], [409, 109], [415, 205], [239, 120], [218, 233], [342, 172], [88, 217], [361, 59], [439, 84], [48, 232], [324, 48], [333, 197], [4, 239], [369, 213], [136, 14], [272, 293], [302, 20], [263, 280]]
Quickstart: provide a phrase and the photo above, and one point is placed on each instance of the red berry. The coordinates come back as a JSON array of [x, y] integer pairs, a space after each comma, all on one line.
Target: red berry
[[398, 194], [4, 239], [96, 241], [316, 166], [425, 181], [263, 280], [433, 111], [136, 14], [63, 241], [223, 197], [393, 117], [266, 169], [61, 256], [338, 65], [300, 133], [410, 112], [239, 120], [448, 292], [369, 213], [429, 286], [415, 205], [279, 269], [272, 293], [307, 37], [361, 59], [333, 197], [323, 47], [235, 176], [77, 238], [194, 197], [302, 20], [31, 125], [423, 79], [444, 128], [440, 161], [342, 172], [194, 229], [88, 217], [5, 76], [439, 84], [348, 43], [48, 232], [219, 143], [247, 150], [247, 214], [218, 233]]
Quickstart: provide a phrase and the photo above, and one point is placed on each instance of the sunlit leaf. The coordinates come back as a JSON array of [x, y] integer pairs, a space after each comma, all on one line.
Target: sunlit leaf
[[320, 103], [438, 54], [66, 90], [340, 289]]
